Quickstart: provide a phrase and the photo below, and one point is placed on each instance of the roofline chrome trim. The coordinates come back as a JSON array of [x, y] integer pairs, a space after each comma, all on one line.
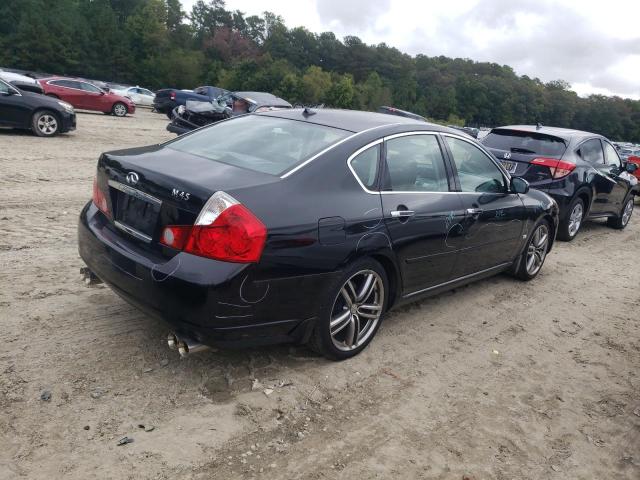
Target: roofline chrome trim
[[430, 192], [330, 147]]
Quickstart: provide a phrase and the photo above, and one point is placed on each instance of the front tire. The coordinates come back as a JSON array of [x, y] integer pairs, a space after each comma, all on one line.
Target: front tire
[[45, 123], [352, 311], [119, 109], [622, 220], [535, 252], [570, 226]]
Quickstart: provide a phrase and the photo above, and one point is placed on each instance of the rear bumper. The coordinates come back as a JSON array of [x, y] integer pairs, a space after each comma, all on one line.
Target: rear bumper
[[213, 302], [164, 105]]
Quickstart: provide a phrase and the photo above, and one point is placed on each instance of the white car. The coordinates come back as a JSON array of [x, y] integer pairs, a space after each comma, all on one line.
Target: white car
[[16, 77], [140, 96]]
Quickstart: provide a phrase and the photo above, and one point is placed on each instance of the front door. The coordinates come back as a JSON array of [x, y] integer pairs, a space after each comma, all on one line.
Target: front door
[[13, 109], [493, 225], [611, 189], [421, 212]]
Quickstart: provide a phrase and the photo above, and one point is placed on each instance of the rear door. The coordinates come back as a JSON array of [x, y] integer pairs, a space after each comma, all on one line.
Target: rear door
[[69, 91], [421, 212], [494, 218], [94, 98]]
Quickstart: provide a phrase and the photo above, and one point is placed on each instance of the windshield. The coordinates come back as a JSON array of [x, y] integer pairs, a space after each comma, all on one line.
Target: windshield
[[261, 143], [517, 141]]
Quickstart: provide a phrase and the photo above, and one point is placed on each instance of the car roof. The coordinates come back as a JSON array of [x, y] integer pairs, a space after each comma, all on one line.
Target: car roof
[[564, 133], [353, 120]]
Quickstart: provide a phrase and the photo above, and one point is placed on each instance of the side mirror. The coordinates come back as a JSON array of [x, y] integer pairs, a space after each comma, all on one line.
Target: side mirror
[[631, 167], [519, 185]]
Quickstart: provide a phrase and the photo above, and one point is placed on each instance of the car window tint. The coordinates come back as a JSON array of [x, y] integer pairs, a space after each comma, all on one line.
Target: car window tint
[[476, 171], [415, 164], [365, 166], [518, 141], [591, 151], [261, 143], [87, 87], [611, 156], [65, 83]]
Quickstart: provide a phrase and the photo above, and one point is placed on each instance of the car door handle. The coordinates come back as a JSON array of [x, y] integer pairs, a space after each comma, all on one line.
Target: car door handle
[[402, 213], [474, 212]]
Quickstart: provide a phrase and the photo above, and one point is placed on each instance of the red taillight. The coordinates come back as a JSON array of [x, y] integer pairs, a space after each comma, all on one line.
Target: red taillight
[[172, 95], [559, 168], [100, 199], [225, 230]]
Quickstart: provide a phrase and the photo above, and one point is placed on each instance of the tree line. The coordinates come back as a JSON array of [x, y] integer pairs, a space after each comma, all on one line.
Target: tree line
[[155, 43]]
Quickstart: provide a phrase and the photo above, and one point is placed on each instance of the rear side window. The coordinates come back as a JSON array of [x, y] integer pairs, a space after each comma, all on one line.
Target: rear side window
[[66, 83], [260, 143], [591, 151], [415, 164], [365, 166], [517, 141]]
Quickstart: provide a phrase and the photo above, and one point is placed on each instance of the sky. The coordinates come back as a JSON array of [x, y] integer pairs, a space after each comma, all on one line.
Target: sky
[[593, 45]]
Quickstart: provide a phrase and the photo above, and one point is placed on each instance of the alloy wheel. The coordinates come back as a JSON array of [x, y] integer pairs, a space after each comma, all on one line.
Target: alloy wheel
[[357, 310], [120, 110], [575, 219], [537, 249], [628, 210], [47, 124]]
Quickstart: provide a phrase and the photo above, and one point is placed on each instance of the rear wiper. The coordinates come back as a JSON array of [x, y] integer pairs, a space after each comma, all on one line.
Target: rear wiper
[[521, 150]]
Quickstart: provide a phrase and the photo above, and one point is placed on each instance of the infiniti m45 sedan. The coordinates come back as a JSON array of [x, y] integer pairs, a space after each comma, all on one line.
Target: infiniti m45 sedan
[[306, 226]]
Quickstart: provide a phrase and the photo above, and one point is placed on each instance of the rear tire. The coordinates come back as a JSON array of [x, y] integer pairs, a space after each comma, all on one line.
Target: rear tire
[[45, 123], [535, 252], [570, 226], [119, 109], [622, 220], [352, 311]]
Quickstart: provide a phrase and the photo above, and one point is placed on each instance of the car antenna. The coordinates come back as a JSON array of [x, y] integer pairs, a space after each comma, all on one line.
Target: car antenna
[[307, 112], [538, 126]]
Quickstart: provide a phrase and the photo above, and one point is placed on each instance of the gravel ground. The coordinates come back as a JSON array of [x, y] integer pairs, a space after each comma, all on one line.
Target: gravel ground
[[499, 379]]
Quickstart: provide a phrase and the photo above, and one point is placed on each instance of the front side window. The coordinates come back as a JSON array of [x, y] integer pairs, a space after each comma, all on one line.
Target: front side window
[[87, 87], [611, 157], [4, 88], [591, 151], [476, 171], [260, 143], [415, 164], [365, 166], [65, 83]]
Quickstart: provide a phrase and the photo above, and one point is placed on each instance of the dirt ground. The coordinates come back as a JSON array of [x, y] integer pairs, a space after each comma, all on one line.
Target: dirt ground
[[497, 380]]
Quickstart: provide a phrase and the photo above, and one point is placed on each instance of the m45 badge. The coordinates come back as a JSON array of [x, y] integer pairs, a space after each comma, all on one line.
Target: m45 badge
[[180, 195]]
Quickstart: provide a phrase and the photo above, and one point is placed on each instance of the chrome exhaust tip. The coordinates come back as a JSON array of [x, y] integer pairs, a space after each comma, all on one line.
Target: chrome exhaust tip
[[184, 345]]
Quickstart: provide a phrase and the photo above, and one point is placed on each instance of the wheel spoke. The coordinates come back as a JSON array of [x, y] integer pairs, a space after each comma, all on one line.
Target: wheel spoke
[[338, 323], [367, 288], [353, 331], [346, 296], [542, 240]]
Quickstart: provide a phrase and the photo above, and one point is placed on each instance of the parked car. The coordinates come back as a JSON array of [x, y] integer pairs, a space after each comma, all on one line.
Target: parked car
[[198, 114], [15, 77], [580, 170], [636, 161], [297, 226], [140, 96], [43, 115], [627, 152], [169, 98], [84, 95], [27, 86]]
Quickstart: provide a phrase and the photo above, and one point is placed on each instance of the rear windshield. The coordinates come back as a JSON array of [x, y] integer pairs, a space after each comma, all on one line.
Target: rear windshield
[[525, 142], [261, 143]]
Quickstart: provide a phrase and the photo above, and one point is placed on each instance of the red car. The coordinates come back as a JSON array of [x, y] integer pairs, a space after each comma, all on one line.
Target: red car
[[636, 160], [84, 95]]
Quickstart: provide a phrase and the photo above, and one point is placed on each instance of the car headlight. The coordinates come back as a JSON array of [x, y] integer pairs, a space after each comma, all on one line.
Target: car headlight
[[67, 106]]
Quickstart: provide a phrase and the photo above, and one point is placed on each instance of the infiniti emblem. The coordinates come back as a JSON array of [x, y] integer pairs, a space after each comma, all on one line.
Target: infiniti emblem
[[132, 178]]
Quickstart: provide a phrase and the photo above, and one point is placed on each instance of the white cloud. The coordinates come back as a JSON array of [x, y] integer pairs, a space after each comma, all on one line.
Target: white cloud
[[593, 45]]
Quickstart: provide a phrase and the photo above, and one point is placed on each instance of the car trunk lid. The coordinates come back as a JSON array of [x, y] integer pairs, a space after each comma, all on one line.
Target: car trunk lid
[[519, 151]]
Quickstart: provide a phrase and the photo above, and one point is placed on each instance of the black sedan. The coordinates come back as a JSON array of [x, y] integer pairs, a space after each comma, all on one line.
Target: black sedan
[[580, 170], [305, 226], [43, 115]]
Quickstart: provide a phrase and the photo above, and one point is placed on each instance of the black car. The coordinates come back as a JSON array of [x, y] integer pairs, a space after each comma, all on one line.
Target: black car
[[305, 226], [195, 114], [580, 170], [43, 115]]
